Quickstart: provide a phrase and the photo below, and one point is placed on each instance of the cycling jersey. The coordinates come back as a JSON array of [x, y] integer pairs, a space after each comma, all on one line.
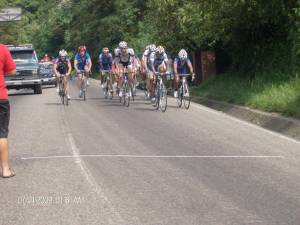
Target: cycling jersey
[[82, 61], [105, 61], [158, 59], [182, 65], [147, 54], [124, 59], [62, 66]]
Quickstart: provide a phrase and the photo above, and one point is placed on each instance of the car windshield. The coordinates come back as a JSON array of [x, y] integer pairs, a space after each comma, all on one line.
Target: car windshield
[[27, 56]]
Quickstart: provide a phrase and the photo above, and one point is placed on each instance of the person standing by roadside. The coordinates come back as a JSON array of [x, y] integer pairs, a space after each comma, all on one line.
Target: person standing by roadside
[[7, 67]]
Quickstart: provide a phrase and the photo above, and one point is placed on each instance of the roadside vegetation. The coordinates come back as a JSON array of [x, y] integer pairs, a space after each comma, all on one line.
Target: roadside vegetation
[[257, 43]]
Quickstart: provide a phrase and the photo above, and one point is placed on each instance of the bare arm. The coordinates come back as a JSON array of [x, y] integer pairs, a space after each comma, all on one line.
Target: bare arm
[[69, 68], [11, 73]]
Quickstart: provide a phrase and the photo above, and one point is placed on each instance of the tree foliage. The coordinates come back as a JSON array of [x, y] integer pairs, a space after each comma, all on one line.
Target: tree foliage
[[255, 34]]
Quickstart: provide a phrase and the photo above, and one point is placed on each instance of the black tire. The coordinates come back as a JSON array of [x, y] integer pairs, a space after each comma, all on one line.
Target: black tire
[[126, 96], [84, 95], [157, 97], [163, 98], [179, 96], [186, 96], [132, 94]]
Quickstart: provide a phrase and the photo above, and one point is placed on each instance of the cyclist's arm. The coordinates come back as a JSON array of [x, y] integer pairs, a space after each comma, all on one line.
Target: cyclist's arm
[[75, 65], [55, 69], [191, 69], [175, 68], [69, 68], [89, 64]]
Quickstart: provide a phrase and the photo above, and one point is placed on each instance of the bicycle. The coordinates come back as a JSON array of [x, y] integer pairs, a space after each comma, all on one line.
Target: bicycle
[[125, 89], [83, 84], [183, 92], [161, 100], [108, 83], [62, 90]]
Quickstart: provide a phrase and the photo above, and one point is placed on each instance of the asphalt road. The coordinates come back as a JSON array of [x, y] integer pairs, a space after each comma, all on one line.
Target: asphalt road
[[97, 162]]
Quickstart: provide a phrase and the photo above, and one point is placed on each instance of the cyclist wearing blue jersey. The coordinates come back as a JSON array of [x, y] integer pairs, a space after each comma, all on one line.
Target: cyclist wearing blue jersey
[[105, 65], [82, 64], [182, 65]]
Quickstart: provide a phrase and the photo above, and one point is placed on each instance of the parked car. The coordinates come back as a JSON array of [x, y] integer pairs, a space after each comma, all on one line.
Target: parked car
[[47, 73], [27, 75]]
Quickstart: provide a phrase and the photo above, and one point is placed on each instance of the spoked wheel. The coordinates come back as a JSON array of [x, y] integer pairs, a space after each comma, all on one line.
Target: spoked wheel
[[179, 96], [186, 95], [163, 101]]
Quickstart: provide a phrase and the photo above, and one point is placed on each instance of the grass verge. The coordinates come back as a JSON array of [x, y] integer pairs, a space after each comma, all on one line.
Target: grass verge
[[275, 92]]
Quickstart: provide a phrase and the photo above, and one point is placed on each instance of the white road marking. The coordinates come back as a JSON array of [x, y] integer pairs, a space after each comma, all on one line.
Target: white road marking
[[78, 160], [220, 113], [108, 210]]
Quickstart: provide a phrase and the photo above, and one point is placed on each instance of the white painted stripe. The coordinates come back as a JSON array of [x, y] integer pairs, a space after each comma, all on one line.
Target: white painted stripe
[[154, 156], [220, 113]]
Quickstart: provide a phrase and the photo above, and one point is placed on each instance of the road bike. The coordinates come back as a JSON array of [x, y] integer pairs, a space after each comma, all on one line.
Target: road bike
[[62, 90], [125, 90], [108, 88], [183, 91], [161, 98], [83, 85]]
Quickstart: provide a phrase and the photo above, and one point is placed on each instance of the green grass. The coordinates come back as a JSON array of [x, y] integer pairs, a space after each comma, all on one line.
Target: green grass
[[273, 92]]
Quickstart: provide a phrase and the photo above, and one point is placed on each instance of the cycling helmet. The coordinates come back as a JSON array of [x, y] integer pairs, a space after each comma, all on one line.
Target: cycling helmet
[[182, 54], [123, 44], [160, 50], [82, 48], [105, 50], [152, 47], [63, 53]]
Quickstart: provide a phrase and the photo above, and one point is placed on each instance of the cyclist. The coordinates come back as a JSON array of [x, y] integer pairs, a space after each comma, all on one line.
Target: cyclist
[[159, 63], [181, 65], [147, 68], [105, 63], [123, 62], [62, 66], [82, 64]]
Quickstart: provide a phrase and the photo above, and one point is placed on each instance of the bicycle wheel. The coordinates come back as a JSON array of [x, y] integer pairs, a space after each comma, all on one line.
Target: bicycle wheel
[[186, 95], [66, 100], [61, 91], [126, 95], [179, 95], [132, 93], [157, 97], [163, 97]]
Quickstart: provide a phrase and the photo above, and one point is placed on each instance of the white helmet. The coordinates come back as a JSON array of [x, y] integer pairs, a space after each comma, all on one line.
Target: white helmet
[[123, 44], [182, 54], [63, 53], [160, 50], [152, 47]]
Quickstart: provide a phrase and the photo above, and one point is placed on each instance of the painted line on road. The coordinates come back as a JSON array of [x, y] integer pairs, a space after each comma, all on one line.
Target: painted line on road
[[221, 113], [157, 156]]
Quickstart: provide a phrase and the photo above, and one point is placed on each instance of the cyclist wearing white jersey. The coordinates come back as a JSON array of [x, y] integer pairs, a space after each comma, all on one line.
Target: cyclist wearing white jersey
[[123, 62]]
